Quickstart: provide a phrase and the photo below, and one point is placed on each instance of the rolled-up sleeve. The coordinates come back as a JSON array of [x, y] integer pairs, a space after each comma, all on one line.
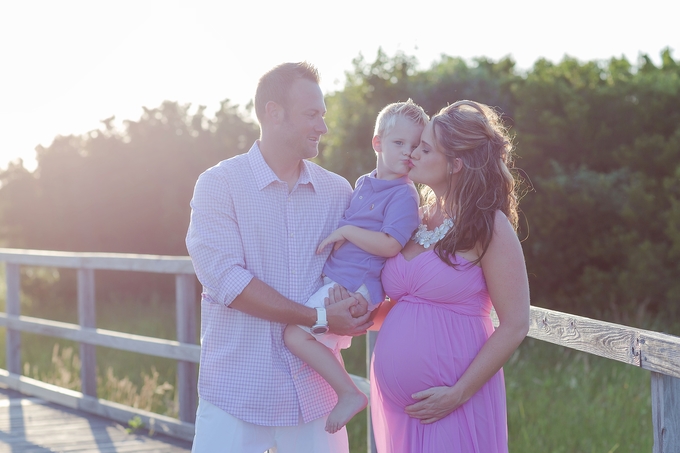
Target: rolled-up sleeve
[[214, 241]]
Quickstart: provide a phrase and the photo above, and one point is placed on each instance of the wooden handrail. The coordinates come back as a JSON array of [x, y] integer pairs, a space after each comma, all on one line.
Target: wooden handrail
[[653, 351], [102, 261]]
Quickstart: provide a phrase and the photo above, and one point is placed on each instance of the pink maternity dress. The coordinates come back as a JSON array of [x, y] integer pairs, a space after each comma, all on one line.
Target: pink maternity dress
[[429, 338]]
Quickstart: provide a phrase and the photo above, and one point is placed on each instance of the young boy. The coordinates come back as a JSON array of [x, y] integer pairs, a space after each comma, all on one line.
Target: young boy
[[381, 217]]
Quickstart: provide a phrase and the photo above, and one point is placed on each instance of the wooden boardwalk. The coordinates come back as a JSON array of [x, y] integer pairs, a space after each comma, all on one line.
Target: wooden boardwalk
[[32, 425]]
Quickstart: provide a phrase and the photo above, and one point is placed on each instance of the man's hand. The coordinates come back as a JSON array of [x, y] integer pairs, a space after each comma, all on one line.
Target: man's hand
[[338, 293], [336, 238], [339, 304]]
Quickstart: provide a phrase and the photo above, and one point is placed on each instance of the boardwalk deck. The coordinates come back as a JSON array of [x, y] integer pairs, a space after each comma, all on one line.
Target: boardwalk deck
[[32, 425]]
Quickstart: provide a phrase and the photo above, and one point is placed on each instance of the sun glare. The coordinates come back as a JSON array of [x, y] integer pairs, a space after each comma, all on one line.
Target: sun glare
[[76, 63]]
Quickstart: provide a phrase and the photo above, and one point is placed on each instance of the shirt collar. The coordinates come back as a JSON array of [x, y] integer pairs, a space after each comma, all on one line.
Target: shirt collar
[[264, 175], [384, 184]]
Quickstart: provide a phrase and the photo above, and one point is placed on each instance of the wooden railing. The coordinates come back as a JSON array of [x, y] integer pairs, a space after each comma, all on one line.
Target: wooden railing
[[653, 351], [185, 350], [656, 352]]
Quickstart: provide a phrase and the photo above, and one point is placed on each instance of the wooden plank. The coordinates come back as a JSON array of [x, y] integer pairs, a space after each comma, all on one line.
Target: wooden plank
[[107, 409], [601, 338], [101, 337], [46, 427], [187, 374], [111, 261], [13, 307], [665, 413], [87, 319], [660, 353]]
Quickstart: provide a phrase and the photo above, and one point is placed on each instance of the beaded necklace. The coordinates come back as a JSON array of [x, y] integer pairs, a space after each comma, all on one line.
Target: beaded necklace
[[426, 238]]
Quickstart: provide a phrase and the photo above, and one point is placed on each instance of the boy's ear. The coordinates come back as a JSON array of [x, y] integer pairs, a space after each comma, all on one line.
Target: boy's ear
[[274, 111], [377, 145]]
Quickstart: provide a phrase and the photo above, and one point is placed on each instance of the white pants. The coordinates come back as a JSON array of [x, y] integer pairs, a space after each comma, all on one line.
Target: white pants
[[220, 432]]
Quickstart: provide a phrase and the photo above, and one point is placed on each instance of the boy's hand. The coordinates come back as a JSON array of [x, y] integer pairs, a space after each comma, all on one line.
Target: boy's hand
[[341, 322], [335, 237], [360, 308]]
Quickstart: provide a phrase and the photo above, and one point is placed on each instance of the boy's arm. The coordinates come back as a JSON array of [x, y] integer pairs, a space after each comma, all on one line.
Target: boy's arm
[[374, 242]]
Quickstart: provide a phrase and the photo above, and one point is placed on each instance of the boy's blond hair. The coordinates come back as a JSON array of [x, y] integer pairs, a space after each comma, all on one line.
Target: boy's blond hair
[[388, 116]]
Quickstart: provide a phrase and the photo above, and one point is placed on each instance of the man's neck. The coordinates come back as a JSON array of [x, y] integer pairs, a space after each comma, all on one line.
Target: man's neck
[[285, 168]]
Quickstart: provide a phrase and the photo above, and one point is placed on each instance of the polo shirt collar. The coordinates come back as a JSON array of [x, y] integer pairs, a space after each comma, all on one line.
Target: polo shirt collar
[[384, 184]]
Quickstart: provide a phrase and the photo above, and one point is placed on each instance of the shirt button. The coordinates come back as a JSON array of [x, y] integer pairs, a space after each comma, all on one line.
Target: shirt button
[[361, 197], [291, 234]]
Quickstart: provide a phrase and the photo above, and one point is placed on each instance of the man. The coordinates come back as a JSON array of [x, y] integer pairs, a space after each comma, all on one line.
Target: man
[[255, 224]]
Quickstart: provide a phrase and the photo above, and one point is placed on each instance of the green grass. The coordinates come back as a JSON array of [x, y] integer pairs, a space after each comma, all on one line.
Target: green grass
[[565, 401], [559, 400]]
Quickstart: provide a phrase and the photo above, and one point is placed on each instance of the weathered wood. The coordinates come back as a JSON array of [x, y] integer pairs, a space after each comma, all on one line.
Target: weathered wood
[[104, 408], [665, 413], [185, 296], [660, 353], [87, 319], [111, 261], [29, 424], [601, 338], [13, 304], [100, 337], [650, 350]]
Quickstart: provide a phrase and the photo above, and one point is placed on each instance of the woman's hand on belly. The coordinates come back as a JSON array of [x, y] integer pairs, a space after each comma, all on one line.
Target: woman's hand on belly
[[435, 403]]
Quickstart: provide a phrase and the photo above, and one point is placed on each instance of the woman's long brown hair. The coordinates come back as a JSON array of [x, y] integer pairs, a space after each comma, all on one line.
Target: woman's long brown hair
[[474, 133]]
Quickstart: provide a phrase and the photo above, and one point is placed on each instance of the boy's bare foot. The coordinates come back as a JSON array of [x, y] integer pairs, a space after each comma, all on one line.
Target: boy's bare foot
[[348, 406]]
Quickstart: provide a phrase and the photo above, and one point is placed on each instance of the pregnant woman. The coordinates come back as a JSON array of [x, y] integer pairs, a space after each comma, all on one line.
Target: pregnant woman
[[437, 380]]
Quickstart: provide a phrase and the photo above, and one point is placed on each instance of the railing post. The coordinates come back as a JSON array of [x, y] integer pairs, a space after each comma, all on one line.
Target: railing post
[[665, 413], [87, 318], [185, 296], [371, 336], [13, 307]]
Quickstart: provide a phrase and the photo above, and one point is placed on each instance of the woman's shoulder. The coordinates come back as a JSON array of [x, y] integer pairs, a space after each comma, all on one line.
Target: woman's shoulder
[[502, 225]]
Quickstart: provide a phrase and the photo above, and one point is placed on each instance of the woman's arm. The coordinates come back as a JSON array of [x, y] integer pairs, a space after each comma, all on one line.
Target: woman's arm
[[507, 282], [373, 242]]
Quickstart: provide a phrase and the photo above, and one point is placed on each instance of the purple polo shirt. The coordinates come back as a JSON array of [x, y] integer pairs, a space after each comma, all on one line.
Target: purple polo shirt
[[377, 205]]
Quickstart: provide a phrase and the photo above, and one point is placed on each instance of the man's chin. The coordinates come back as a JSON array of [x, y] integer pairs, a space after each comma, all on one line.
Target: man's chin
[[312, 152]]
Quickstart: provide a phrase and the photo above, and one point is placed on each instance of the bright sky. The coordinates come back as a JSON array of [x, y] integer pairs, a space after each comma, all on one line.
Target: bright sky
[[66, 65]]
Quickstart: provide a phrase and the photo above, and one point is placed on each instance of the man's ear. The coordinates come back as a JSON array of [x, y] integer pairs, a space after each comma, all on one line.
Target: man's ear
[[377, 144], [274, 111]]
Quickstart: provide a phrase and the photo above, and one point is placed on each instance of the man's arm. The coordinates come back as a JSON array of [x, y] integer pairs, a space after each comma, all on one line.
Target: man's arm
[[261, 300]]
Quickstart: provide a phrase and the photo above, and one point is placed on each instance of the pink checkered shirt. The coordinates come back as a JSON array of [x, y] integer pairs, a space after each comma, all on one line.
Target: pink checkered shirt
[[245, 224]]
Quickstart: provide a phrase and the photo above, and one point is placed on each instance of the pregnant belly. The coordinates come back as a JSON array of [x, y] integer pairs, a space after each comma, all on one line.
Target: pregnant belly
[[420, 346]]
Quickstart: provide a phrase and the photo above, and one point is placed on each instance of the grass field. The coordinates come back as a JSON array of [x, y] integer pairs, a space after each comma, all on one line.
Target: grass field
[[559, 400]]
